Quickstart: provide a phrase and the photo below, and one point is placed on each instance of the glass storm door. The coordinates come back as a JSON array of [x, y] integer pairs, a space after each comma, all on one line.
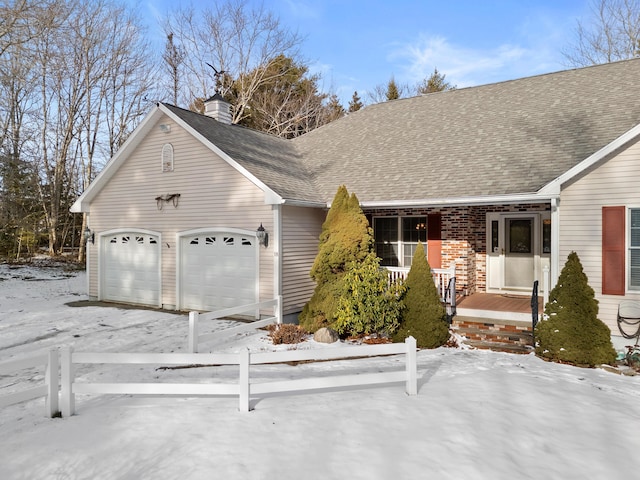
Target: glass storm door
[[519, 252]]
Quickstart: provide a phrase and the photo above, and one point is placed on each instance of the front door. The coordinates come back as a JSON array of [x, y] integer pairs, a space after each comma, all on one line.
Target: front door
[[516, 250], [519, 253]]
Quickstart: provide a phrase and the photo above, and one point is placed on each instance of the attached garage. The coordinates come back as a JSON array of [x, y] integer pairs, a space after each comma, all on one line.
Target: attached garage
[[130, 267], [217, 269]]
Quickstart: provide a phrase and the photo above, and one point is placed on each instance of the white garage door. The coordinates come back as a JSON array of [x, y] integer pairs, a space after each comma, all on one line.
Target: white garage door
[[217, 270], [130, 267]]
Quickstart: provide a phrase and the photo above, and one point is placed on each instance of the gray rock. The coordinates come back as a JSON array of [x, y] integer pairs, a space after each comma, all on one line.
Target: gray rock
[[326, 335]]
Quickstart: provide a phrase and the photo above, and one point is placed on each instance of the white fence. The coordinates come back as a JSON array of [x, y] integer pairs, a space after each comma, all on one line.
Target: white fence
[[195, 318], [244, 389], [441, 276], [49, 390]]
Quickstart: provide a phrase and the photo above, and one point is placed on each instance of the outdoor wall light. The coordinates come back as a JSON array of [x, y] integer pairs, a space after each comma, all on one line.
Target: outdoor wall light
[[263, 236], [89, 236]]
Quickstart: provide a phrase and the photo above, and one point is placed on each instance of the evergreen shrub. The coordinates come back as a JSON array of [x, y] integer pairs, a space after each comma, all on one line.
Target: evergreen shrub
[[345, 238], [424, 317], [571, 331], [368, 303]]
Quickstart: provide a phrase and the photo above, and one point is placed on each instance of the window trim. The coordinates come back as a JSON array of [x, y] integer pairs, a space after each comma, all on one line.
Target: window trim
[[400, 241], [166, 165]]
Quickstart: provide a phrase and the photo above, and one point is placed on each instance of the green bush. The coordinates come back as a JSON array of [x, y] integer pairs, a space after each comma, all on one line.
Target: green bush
[[571, 331], [346, 237], [368, 304], [424, 317]]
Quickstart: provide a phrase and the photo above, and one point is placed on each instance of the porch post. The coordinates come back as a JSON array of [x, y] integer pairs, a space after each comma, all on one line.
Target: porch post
[[555, 240]]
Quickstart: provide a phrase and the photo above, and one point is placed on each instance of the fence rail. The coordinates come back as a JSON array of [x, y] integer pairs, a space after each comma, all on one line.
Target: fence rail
[[441, 276], [244, 388], [195, 318], [49, 389]]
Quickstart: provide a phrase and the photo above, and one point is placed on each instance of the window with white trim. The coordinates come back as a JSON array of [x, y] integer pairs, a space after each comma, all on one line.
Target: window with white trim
[[396, 239], [167, 157], [634, 249]]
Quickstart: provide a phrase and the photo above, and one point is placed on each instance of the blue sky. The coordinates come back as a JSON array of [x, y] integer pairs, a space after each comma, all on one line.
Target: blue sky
[[357, 44]]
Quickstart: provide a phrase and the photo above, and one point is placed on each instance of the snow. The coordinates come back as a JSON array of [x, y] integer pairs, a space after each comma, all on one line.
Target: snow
[[478, 414]]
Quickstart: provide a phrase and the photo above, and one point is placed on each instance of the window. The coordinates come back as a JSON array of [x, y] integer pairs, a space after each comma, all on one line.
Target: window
[[634, 249], [396, 239], [167, 157], [386, 239]]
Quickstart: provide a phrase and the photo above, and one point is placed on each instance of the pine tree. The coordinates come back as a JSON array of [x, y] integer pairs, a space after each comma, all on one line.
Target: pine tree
[[434, 83], [392, 90], [346, 237], [356, 103], [572, 331], [424, 317]]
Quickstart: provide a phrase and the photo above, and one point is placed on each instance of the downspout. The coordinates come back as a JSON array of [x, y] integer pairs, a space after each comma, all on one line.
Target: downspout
[[555, 241], [277, 252]]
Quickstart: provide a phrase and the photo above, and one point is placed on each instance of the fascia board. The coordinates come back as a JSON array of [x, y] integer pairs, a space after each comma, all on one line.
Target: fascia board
[[82, 204], [270, 197], [459, 201], [555, 186]]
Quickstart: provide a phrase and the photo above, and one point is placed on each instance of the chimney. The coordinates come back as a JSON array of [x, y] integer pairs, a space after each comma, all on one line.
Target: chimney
[[217, 107]]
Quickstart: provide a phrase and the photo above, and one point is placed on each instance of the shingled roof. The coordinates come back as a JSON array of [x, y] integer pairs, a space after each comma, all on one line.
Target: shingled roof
[[501, 139], [272, 160], [505, 138]]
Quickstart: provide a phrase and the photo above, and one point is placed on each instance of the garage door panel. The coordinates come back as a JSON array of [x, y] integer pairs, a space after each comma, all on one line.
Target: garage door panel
[[129, 268], [217, 270]]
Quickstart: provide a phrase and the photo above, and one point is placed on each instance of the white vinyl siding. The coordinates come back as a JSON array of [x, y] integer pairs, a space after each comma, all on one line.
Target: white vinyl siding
[[212, 195], [301, 229], [613, 183]]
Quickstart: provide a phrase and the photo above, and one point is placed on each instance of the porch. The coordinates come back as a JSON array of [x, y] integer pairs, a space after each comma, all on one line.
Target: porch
[[501, 322], [498, 321]]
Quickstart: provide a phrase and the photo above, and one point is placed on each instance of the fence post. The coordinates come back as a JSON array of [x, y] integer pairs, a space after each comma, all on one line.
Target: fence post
[[193, 332], [51, 379], [66, 373], [278, 309], [243, 381], [412, 366]]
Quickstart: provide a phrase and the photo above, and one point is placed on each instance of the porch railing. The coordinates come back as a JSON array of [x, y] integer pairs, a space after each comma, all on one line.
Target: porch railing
[[441, 277]]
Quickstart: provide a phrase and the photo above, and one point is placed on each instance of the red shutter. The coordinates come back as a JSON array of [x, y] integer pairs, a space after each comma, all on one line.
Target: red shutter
[[613, 251], [434, 240]]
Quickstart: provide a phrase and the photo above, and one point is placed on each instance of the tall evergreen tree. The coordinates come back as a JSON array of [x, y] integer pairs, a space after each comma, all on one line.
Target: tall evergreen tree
[[393, 93], [346, 237], [434, 83], [572, 331], [424, 317]]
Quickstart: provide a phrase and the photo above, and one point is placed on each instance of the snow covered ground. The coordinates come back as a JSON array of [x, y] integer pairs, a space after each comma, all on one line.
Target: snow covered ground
[[477, 415]]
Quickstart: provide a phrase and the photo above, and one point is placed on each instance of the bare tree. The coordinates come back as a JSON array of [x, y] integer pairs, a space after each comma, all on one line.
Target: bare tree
[[173, 57], [24, 20], [235, 38], [611, 33], [69, 97]]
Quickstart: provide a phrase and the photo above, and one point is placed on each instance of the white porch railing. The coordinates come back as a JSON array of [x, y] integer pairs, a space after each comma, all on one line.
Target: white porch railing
[[441, 276], [49, 389], [244, 388], [195, 318]]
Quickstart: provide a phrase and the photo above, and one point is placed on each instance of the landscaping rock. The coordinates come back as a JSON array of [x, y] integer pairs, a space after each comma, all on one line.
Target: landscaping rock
[[326, 335]]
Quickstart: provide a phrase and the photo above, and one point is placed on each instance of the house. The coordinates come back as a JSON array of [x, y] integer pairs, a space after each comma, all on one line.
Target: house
[[501, 181]]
